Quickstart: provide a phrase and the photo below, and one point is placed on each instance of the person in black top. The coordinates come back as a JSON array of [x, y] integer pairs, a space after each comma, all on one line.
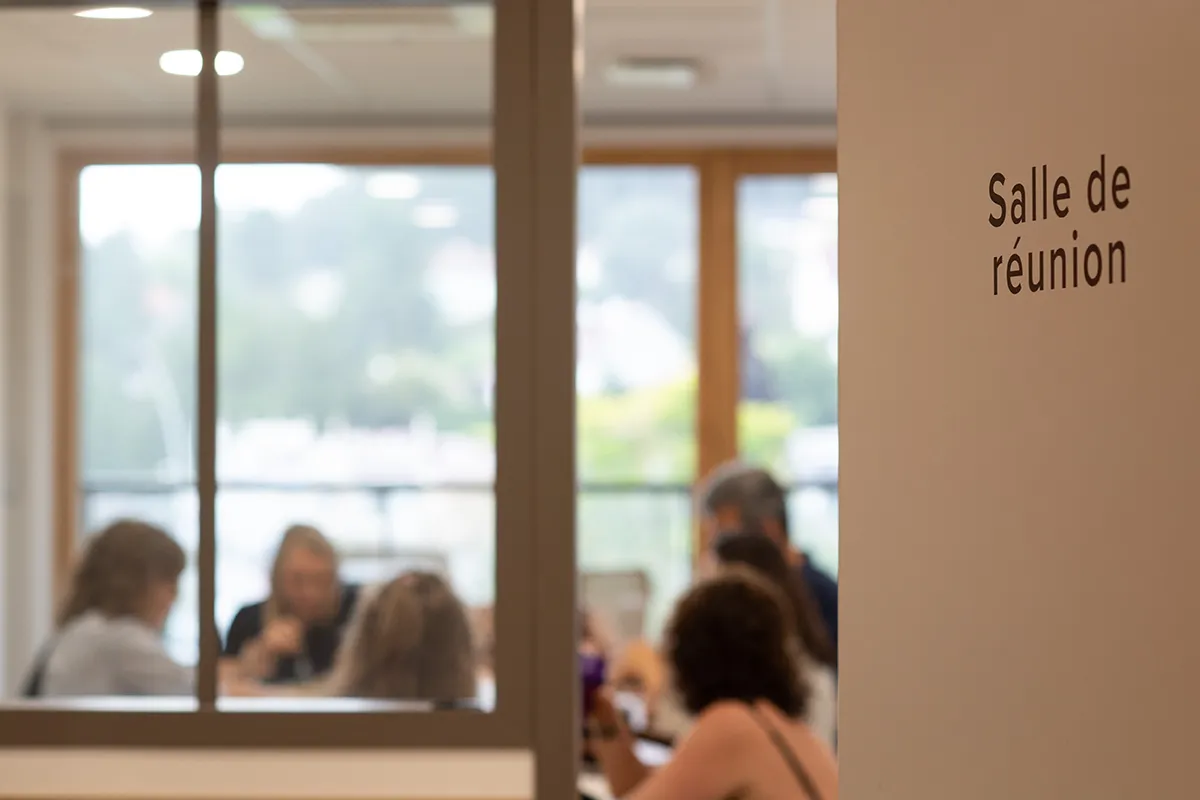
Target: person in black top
[[294, 634], [737, 498]]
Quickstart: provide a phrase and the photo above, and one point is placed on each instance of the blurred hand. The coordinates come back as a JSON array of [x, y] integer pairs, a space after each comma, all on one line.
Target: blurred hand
[[604, 709], [284, 637]]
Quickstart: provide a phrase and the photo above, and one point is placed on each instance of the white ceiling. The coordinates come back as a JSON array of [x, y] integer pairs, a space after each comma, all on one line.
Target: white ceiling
[[760, 60]]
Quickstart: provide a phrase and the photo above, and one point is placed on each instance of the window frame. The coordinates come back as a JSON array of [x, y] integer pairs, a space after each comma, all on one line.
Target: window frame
[[719, 320], [718, 171]]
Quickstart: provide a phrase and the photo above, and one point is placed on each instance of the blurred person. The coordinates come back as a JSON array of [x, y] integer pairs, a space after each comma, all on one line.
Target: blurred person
[[762, 555], [818, 659], [594, 649], [293, 635], [483, 632], [736, 497], [732, 647], [410, 640], [594, 636], [108, 637], [639, 670]]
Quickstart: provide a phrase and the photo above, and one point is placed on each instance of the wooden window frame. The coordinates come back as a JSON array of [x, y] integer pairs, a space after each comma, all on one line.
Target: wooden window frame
[[718, 171], [719, 319]]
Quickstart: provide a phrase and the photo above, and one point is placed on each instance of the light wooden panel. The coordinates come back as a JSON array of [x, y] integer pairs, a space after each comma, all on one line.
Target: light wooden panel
[[717, 317]]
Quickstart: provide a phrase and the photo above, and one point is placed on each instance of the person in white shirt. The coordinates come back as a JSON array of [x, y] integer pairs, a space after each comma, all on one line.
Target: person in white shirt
[[109, 635], [818, 655], [817, 658]]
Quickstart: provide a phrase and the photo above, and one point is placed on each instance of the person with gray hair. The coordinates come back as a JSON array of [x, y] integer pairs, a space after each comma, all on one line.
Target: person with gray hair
[[741, 498]]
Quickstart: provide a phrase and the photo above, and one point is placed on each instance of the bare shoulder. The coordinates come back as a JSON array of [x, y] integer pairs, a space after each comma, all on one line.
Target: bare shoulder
[[726, 720]]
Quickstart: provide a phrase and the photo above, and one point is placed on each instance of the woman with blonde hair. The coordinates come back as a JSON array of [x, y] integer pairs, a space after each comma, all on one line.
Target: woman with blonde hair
[[294, 634], [108, 640], [410, 640]]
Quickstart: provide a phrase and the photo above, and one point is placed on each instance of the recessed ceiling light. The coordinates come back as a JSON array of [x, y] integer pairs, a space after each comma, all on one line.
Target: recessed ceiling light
[[653, 73], [189, 63], [115, 12]]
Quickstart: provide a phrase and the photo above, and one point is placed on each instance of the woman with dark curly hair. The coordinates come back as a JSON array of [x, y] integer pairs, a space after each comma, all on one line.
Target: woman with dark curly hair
[[818, 657], [109, 635], [759, 553], [732, 647]]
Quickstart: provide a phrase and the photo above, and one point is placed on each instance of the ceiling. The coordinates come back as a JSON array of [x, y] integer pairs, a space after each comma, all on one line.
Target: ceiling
[[759, 60]]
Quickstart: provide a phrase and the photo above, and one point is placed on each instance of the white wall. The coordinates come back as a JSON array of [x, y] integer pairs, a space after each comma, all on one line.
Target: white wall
[[1018, 453], [26, 375]]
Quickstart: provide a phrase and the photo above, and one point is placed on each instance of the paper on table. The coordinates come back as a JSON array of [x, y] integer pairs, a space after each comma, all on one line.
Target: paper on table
[[594, 786]]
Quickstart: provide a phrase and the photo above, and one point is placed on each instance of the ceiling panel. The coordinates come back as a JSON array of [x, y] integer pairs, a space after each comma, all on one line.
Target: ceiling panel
[[756, 58], [809, 55]]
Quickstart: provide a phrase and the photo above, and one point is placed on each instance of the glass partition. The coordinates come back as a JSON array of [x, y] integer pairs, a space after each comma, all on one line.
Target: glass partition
[[380, 436], [356, 420], [386, 373], [113, 290], [137, 372], [295, 392]]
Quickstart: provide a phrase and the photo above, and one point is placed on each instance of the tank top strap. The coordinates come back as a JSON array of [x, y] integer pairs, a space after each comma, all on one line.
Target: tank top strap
[[786, 751]]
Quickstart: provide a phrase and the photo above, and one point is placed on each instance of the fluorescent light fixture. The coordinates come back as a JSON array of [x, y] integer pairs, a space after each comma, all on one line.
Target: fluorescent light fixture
[[425, 22], [393, 186], [653, 73], [115, 12], [189, 63], [435, 216]]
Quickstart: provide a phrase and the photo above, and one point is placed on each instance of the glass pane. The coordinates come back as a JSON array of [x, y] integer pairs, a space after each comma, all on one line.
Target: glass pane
[[356, 458], [357, 338], [134, 370], [636, 383], [138, 360], [788, 290]]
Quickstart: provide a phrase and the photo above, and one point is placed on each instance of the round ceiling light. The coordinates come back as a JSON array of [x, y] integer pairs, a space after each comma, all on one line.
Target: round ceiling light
[[115, 12], [189, 63]]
